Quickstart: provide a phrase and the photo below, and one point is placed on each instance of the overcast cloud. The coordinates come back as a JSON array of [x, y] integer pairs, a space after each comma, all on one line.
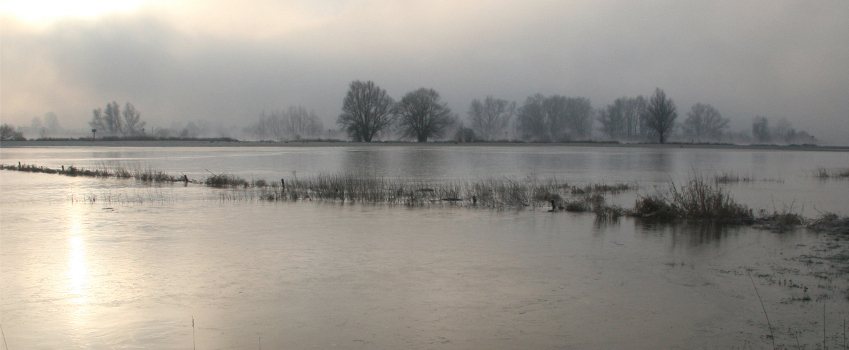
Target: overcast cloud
[[227, 61]]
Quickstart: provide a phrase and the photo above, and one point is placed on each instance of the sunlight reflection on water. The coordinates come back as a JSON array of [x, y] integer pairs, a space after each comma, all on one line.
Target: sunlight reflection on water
[[142, 260]]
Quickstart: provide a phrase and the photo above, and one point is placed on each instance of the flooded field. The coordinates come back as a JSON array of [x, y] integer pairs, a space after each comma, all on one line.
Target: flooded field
[[90, 263]]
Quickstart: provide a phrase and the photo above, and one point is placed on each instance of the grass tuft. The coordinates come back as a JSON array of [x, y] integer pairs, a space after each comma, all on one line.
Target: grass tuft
[[698, 200], [225, 180]]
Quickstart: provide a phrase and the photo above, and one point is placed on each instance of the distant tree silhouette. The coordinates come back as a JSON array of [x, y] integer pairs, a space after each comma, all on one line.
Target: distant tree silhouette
[[8, 133], [704, 122], [366, 110], [660, 115], [421, 115], [490, 117], [760, 130]]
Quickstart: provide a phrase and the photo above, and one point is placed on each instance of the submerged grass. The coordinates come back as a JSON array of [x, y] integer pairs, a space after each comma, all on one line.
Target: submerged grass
[[825, 174], [140, 174], [700, 199]]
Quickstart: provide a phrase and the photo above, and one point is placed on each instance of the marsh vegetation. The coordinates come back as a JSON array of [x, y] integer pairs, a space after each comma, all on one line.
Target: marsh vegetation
[[701, 198]]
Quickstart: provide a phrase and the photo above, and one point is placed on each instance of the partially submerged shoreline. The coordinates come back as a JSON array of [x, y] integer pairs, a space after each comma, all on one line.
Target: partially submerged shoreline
[[700, 199], [337, 143]]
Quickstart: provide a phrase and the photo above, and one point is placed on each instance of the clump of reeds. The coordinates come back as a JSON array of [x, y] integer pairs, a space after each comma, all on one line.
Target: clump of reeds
[[225, 180], [779, 221], [697, 200], [654, 207], [824, 174], [830, 223], [149, 175], [726, 178], [701, 200]]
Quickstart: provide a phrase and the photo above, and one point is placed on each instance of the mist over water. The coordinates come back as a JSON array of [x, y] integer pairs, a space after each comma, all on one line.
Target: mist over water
[[108, 263]]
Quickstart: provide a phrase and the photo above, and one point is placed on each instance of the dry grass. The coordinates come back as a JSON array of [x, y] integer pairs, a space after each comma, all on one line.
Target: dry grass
[[225, 180], [698, 200]]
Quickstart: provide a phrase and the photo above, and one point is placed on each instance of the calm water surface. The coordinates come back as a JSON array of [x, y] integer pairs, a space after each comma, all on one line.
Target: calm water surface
[[104, 264]]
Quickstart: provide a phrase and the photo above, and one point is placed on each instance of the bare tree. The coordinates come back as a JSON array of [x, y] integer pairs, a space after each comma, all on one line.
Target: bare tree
[[422, 115], [490, 117], [97, 122], [112, 118], [579, 116], [555, 117], [366, 110], [531, 121], [51, 122], [704, 121], [8, 133], [623, 118], [635, 109], [613, 120], [299, 123], [760, 129], [294, 123], [132, 121], [660, 115], [111, 122]]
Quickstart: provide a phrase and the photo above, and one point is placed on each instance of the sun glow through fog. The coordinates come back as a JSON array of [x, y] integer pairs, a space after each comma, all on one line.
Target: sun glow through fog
[[39, 11]]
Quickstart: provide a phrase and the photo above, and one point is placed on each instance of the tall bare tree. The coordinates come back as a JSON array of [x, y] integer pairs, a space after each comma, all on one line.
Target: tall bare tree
[[422, 115], [132, 124], [531, 121], [760, 129], [112, 118], [299, 123], [660, 115], [704, 122], [97, 122], [555, 118], [579, 116], [624, 118], [490, 117], [613, 119], [8, 133], [366, 110], [293, 123]]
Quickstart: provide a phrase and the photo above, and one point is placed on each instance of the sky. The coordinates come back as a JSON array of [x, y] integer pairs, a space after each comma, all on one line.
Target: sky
[[228, 61]]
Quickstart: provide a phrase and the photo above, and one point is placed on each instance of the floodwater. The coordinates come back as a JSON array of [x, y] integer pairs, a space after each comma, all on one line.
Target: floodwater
[[107, 263]]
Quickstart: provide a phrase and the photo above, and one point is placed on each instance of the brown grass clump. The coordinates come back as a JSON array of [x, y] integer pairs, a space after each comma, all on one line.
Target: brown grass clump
[[654, 207], [697, 200], [701, 200], [225, 180], [831, 223]]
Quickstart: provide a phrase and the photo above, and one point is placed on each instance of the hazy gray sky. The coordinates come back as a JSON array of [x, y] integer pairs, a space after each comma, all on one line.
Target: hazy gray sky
[[226, 61]]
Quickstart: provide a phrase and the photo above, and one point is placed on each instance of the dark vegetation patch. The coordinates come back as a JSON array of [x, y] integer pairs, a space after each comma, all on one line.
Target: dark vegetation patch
[[140, 174], [825, 174], [698, 200]]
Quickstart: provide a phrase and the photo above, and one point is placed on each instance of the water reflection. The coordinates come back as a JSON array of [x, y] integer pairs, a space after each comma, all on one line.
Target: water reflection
[[687, 234], [77, 268], [424, 163], [659, 161], [363, 162]]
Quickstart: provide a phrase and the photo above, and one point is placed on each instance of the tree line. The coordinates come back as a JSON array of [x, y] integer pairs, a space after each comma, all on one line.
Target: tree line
[[368, 113], [114, 122], [367, 110]]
